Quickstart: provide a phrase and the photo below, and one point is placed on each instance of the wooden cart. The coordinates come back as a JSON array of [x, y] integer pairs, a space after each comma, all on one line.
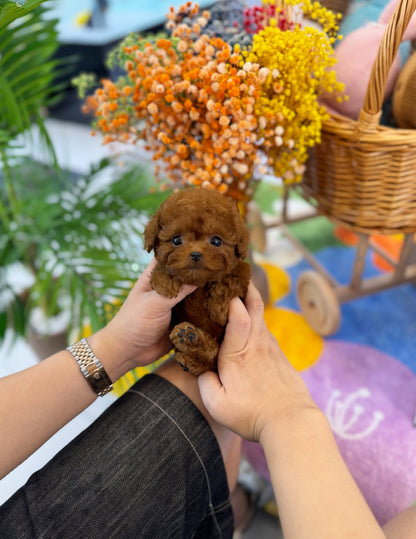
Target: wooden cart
[[319, 295]]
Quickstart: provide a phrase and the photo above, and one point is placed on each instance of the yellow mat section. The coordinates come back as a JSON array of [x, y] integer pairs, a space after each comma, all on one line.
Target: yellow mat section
[[300, 344], [279, 281]]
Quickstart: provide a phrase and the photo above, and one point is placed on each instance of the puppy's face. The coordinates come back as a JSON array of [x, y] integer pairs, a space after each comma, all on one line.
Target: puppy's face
[[198, 236]]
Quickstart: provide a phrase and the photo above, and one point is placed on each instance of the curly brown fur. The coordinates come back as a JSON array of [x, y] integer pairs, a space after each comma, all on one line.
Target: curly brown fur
[[199, 238]]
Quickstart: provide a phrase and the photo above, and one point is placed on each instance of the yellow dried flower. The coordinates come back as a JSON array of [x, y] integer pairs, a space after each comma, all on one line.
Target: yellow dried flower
[[288, 106]]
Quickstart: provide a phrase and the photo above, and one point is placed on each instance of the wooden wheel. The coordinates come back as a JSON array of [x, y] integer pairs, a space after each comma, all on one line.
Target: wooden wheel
[[318, 303]]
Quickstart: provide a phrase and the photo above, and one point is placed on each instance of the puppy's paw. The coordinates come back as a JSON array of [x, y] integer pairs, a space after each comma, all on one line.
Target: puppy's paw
[[185, 337], [196, 351]]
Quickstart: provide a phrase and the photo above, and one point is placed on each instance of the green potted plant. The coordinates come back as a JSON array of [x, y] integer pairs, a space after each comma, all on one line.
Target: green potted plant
[[75, 240]]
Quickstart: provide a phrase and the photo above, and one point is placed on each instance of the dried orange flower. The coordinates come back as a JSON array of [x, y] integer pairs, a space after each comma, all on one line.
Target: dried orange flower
[[206, 110]]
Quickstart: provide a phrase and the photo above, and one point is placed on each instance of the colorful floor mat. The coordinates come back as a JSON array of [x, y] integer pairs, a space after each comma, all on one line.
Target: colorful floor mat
[[364, 376]]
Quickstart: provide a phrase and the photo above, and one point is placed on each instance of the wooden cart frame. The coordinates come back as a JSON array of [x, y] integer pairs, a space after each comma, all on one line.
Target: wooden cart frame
[[319, 294]]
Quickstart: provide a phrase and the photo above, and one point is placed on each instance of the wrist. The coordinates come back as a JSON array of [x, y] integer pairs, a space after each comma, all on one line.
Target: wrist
[[300, 423], [110, 354], [118, 357]]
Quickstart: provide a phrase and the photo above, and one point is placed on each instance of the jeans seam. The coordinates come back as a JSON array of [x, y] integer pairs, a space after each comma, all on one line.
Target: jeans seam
[[223, 506], [210, 504]]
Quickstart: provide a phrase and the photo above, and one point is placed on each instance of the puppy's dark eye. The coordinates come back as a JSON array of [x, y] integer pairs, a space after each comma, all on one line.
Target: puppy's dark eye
[[177, 240], [216, 241]]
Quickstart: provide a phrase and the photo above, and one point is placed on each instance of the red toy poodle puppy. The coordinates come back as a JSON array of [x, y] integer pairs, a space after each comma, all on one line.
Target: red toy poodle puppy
[[199, 238]]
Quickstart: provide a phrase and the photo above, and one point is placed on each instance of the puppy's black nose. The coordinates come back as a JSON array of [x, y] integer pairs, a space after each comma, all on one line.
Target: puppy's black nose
[[196, 256]]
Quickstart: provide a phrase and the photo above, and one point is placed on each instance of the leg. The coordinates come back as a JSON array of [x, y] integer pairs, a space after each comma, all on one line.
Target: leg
[[402, 526], [230, 443], [150, 466]]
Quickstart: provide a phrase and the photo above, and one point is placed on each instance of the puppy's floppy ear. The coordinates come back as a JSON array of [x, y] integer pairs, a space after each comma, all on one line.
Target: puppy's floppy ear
[[151, 231]]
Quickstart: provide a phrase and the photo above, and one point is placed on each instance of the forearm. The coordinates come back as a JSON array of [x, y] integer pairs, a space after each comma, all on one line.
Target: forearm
[[315, 493], [36, 402]]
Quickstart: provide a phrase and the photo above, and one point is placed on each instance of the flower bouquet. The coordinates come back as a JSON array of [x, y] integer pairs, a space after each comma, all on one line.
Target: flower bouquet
[[220, 101]]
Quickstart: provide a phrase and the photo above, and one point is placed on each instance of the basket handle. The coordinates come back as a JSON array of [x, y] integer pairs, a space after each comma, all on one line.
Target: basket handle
[[370, 113]]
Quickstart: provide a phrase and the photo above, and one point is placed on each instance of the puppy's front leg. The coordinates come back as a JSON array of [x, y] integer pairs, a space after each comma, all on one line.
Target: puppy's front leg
[[220, 295], [196, 350], [164, 284]]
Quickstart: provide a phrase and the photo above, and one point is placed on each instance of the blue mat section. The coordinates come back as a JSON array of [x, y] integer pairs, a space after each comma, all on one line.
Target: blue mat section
[[385, 320]]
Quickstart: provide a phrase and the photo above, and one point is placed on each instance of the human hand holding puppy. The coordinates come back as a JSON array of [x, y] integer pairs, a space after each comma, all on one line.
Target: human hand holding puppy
[[138, 334], [259, 395], [256, 386], [199, 238]]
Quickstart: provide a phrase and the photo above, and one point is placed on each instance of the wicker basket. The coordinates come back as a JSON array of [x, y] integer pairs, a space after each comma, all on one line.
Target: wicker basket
[[404, 97], [363, 175]]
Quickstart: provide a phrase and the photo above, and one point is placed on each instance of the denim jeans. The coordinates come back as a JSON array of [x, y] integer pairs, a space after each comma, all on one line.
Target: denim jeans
[[148, 467]]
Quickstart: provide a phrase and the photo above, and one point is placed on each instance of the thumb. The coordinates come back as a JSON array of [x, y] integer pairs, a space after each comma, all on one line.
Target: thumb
[[211, 390], [238, 328]]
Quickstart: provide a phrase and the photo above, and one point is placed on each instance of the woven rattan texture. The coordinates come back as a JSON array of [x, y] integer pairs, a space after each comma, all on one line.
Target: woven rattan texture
[[363, 175]]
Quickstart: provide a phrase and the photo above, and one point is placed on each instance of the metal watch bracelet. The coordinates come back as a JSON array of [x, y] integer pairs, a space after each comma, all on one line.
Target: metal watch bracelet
[[91, 367]]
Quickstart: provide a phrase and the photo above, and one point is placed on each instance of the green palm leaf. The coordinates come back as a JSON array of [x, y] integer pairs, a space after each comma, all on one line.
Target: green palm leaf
[[28, 42]]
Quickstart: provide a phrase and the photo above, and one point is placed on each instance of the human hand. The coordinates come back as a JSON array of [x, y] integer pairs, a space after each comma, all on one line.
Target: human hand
[[256, 386], [138, 334]]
